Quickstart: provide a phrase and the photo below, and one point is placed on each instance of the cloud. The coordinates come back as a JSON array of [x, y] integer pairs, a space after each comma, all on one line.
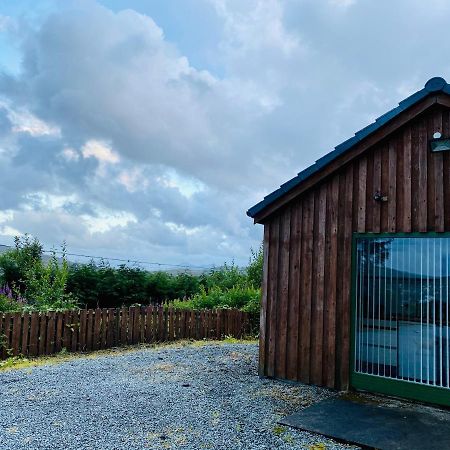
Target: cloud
[[113, 139]]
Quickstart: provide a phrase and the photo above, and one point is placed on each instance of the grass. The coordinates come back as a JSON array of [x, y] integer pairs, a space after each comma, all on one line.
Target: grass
[[21, 362]]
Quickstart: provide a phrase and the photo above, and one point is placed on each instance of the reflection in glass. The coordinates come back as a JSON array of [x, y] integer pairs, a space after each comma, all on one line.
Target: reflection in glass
[[402, 309]]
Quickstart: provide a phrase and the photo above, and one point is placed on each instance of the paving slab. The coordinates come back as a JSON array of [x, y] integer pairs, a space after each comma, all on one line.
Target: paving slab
[[378, 423]]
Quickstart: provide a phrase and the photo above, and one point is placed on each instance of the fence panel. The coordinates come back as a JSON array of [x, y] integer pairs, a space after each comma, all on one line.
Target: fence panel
[[33, 334]]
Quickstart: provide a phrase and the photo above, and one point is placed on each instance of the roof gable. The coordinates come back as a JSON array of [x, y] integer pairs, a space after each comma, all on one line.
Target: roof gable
[[432, 87]]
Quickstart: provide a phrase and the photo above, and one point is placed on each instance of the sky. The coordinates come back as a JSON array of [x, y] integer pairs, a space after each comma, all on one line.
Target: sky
[[144, 130]]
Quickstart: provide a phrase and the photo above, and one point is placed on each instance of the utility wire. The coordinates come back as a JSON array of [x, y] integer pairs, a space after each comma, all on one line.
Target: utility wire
[[133, 261]]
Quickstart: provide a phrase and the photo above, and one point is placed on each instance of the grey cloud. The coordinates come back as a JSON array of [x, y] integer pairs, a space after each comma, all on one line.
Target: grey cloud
[[289, 81]]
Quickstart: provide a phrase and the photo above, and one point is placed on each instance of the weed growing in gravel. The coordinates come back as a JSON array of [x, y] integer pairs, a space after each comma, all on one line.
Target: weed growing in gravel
[[278, 430], [318, 446], [20, 362]]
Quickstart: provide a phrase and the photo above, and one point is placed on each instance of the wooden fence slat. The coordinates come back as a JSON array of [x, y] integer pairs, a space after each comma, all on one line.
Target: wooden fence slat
[[104, 328], [34, 329], [206, 316], [141, 324], [131, 325], [75, 328], [171, 321], [148, 324], [83, 329], [67, 333], [136, 324], [6, 340], [50, 339], [42, 333], [111, 328], [123, 326], [161, 323], [16, 332], [59, 331], [25, 333], [97, 325], [90, 330], [182, 324]]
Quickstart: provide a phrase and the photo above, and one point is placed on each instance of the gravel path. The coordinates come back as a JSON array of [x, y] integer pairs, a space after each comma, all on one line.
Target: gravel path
[[187, 397]]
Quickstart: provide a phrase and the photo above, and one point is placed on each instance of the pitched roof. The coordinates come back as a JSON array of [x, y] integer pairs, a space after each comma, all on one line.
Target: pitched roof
[[432, 86]]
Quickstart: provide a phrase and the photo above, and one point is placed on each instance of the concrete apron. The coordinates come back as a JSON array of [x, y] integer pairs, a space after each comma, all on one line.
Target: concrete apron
[[376, 422]]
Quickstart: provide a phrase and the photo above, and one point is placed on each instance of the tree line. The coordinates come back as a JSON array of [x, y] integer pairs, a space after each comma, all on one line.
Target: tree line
[[27, 282]]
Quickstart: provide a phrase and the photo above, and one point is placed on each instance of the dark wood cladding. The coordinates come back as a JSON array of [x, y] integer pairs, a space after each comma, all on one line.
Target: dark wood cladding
[[305, 319]]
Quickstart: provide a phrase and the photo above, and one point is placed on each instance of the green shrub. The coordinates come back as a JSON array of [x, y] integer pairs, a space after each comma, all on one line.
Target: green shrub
[[7, 304], [255, 268], [35, 285]]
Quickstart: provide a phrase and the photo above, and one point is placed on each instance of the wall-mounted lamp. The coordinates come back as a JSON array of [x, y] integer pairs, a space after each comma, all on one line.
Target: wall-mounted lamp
[[379, 197], [438, 143]]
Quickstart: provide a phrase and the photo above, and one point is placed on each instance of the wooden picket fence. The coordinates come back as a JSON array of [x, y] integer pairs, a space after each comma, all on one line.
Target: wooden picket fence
[[33, 334]]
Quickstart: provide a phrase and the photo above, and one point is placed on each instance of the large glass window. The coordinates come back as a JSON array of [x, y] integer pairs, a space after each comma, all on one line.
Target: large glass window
[[402, 308]]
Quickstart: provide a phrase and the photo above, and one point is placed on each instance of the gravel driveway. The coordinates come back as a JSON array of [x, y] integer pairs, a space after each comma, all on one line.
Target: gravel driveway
[[186, 397]]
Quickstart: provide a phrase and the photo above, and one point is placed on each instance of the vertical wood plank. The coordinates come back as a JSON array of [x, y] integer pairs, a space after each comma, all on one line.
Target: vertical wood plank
[[318, 287], [283, 297], [83, 328], [16, 333], [171, 323], [111, 328], [50, 339], [90, 329], [263, 311], [97, 329], [42, 333], [362, 194], [273, 293], [385, 183], [123, 326], [376, 206], [431, 186], [446, 170], [438, 178], [149, 324], [405, 202], [219, 333], [346, 286], [422, 147], [392, 190], [161, 324], [137, 324], [67, 333], [34, 330], [294, 292], [59, 319], [369, 193], [6, 335], [332, 261], [25, 333], [103, 328], [75, 328], [306, 292]]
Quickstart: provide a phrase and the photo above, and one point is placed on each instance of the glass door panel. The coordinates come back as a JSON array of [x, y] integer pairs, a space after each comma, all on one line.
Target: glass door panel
[[402, 309]]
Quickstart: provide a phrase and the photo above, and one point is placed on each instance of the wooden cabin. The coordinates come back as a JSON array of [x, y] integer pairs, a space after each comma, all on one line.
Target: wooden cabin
[[357, 259]]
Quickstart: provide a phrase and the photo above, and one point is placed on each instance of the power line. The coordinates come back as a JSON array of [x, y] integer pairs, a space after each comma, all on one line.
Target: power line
[[123, 260], [134, 261]]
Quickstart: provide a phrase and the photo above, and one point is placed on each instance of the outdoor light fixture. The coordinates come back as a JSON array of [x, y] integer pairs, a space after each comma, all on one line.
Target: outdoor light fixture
[[438, 143], [379, 197]]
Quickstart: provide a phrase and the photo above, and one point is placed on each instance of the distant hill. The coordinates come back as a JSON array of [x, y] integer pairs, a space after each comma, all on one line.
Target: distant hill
[[5, 248]]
